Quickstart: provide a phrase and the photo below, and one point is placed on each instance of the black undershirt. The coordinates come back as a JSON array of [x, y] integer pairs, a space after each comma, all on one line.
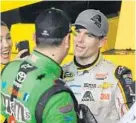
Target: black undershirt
[[84, 66]]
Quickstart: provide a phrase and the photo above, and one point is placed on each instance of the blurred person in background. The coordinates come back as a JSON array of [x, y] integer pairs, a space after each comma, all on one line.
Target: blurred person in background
[[6, 45]]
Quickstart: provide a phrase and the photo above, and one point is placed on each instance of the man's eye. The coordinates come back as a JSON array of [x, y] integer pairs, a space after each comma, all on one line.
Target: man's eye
[[8, 38], [78, 31], [91, 35]]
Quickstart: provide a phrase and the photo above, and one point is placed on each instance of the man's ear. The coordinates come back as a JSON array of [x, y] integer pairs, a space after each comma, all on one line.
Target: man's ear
[[34, 37], [102, 42], [67, 40]]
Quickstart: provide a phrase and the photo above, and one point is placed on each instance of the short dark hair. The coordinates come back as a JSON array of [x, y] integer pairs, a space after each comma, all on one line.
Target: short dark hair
[[51, 26], [90, 34], [42, 42], [98, 37]]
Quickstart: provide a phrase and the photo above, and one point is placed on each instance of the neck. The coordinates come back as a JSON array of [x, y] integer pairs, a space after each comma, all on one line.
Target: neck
[[87, 60], [53, 53]]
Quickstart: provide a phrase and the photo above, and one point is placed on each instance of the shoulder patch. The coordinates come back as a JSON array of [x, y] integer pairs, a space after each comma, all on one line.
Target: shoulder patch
[[68, 76]]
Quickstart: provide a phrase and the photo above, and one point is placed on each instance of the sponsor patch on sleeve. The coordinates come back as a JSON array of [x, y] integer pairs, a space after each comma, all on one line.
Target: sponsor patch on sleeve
[[68, 118], [66, 108]]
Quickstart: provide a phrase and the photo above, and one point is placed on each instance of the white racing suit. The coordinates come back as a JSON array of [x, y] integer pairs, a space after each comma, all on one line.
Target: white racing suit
[[97, 87]]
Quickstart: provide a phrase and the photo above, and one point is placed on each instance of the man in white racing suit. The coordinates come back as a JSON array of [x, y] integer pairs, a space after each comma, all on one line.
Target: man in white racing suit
[[97, 83]]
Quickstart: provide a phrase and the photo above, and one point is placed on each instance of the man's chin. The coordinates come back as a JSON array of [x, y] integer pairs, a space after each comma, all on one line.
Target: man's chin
[[78, 54]]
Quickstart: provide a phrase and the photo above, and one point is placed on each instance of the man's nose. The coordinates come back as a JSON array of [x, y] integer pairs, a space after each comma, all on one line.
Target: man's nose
[[80, 38]]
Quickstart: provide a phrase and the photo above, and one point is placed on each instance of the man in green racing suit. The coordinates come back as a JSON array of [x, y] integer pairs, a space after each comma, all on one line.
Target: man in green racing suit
[[26, 84]]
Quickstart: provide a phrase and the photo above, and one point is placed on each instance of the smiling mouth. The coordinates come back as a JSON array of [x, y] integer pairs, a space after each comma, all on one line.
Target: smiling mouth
[[5, 54], [79, 48]]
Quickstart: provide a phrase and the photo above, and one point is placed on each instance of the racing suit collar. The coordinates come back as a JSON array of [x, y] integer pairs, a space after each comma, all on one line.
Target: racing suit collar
[[46, 62], [88, 66]]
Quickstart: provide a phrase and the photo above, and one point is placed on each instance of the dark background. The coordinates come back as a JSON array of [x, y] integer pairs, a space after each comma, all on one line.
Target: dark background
[[28, 13]]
